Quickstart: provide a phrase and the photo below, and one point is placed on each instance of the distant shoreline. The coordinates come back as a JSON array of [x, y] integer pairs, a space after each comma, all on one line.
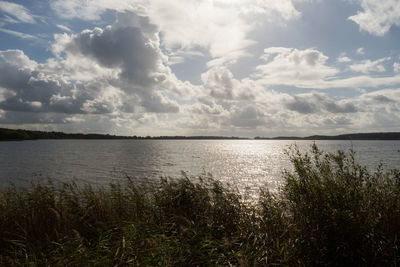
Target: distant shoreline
[[21, 135]]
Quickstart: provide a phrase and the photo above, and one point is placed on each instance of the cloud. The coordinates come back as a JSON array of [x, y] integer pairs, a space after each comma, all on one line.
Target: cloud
[[113, 75], [18, 58], [317, 102], [377, 17], [130, 52], [387, 98], [210, 108], [64, 28], [309, 69], [247, 117], [33, 91], [222, 85], [360, 51], [81, 9], [284, 8], [343, 58], [121, 76], [360, 82], [290, 66], [396, 67], [218, 27], [5, 93], [367, 66], [18, 12], [20, 34]]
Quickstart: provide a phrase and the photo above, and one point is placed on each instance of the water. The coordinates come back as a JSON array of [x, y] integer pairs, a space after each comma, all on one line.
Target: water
[[247, 164]]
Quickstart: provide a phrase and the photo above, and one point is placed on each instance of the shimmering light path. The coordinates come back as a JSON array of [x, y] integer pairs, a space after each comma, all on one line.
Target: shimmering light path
[[247, 164]]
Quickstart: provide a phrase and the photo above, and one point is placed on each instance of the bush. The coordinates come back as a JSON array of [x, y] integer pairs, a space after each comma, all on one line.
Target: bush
[[342, 214]]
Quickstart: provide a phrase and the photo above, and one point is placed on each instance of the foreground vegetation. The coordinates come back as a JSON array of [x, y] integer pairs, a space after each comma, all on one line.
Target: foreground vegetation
[[330, 211]]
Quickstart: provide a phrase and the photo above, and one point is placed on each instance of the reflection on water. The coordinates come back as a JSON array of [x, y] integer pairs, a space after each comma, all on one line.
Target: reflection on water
[[242, 163]]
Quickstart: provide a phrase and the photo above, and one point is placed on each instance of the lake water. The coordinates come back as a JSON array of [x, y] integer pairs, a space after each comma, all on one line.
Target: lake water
[[247, 164]]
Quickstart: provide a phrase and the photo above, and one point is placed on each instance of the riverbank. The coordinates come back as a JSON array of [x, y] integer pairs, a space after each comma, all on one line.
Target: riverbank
[[331, 211]]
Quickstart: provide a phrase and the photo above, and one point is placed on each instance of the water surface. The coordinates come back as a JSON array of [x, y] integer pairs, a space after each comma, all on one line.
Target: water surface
[[247, 164]]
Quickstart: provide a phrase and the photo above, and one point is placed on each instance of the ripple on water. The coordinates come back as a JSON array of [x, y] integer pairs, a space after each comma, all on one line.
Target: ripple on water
[[248, 164]]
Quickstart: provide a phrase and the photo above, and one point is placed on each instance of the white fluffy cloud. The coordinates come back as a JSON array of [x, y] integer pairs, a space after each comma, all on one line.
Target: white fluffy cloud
[[290, 66], [18, 58], [377, 17], [343, 58], [222, 85]]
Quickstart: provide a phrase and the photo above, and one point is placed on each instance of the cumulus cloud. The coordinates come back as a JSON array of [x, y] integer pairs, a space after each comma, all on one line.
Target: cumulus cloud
[[33, 91], [343, 58], [377, 17], [290, 66], [18, 58], [223, 85], [219, 27], [129, 51], [301, 114], [113, 71]]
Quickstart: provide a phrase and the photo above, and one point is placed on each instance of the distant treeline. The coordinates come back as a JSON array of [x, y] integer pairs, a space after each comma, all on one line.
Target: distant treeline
[[355, 136], [11, 134]]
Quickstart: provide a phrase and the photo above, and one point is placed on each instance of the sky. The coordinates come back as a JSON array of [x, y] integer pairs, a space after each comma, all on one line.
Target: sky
[[201, 67]]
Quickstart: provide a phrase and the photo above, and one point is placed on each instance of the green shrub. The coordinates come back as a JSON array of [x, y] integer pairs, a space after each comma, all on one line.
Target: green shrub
[[342, 214]]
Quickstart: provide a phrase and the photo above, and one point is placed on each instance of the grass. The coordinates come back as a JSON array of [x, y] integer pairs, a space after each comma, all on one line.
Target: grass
[[330, 211]]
